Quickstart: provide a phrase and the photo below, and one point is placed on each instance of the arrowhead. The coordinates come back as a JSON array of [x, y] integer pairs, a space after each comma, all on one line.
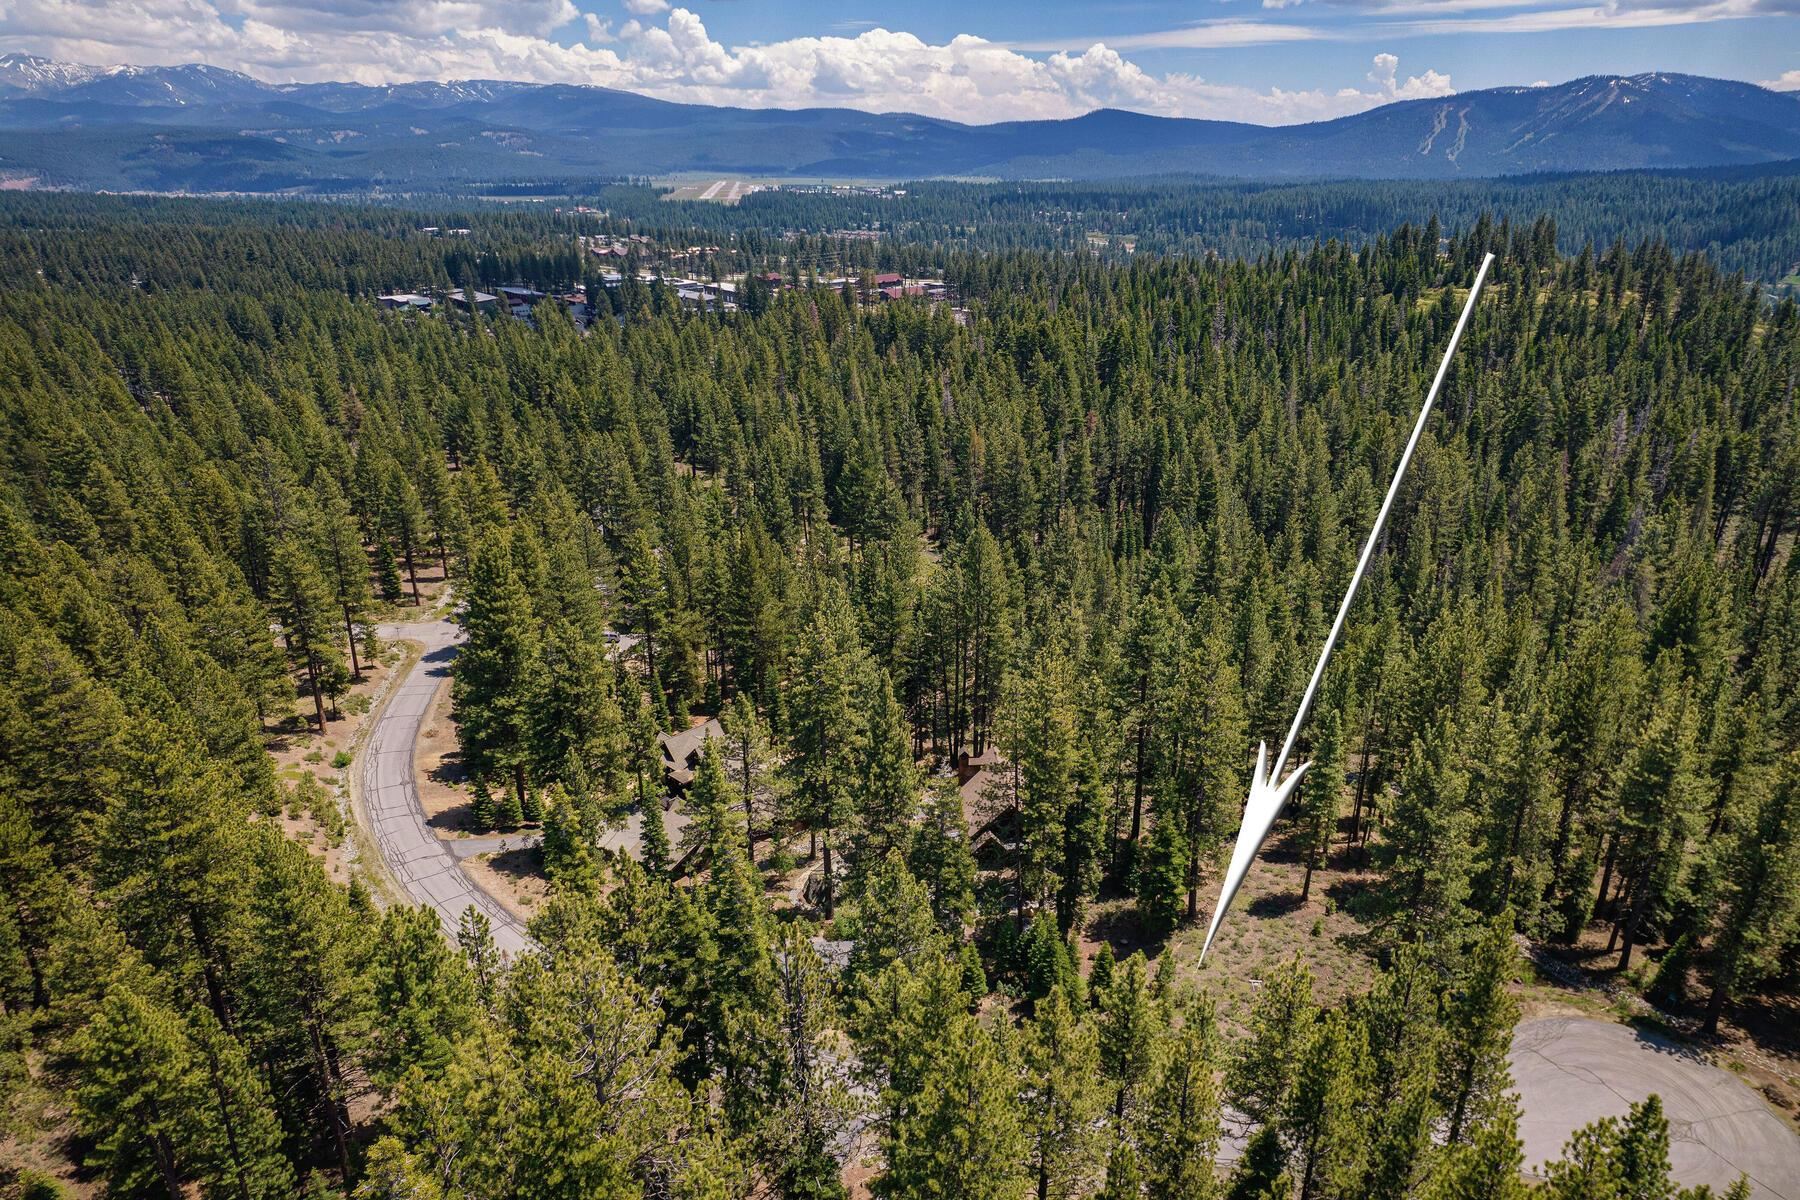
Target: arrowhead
[[1264, 804]]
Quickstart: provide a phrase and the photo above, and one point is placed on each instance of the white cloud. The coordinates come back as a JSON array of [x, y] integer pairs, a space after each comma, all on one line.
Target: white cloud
[[646, 8], [1787, 81], [1416, 87], [1197, 35], [965, 78], [1614, 14]]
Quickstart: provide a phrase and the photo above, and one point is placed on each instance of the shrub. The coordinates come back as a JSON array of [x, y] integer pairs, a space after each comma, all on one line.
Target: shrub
[[35, 1185]]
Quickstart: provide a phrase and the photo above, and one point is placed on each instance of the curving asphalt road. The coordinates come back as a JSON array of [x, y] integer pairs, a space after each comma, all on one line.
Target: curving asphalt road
[[1569, 1071], [423, 863]]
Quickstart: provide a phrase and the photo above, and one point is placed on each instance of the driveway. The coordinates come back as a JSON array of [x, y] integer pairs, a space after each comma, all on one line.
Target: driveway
[[1572, 1070], [424, 864]]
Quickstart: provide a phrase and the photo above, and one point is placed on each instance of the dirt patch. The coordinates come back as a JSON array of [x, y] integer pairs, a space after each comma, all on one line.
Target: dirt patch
[[1268, 926], [431, 590], [438, 769], [39, 1133], [312, 768], [513, 877], [326, 845]]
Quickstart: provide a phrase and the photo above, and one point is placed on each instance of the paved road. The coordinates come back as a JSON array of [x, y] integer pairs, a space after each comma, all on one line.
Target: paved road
[[1572, 1070], [423, 863]]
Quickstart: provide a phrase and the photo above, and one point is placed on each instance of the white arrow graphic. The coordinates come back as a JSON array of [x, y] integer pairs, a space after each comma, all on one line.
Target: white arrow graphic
[[1267, 797]]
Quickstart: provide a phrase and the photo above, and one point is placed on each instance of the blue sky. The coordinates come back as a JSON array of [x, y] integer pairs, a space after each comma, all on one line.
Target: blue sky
[[1270, 61]]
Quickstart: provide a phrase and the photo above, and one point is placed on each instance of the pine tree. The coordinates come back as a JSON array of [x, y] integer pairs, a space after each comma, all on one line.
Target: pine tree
[[171, 857], [404, 519], [494, 688], [1425, 850], [242, 1154], [974, 978], [303, 604], [1100, 973], [574, 716], [482, 810], [940, 858], [387, 571], [1323, 1121], [475, 939], [1399, 1022], [1261, 1173], [1755, 894], [1147, 646], [653, 840], [1062, 1097], [1180, 1122], [740, 1011], [893, 919], [423, 998], [1129, 1023], [1202, 752], [1612, 1159], [1320, 794], [347, 564], [1124, 1178], [812, 1109], [962, 1134], [645, 596], [1479, 1024], [898, 1019], [305, 994], [140, 1096], [1259, 1079], [1488, 1165], [1661, 802], [510, 813], [889, 791], [750, 754], [828, 725], [1038, 736], [391, 1173], [1162, 875], [983, 622], [1046, 961]]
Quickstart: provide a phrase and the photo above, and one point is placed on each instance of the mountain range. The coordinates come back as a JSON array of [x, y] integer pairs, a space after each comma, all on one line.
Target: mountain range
[[199, 128]]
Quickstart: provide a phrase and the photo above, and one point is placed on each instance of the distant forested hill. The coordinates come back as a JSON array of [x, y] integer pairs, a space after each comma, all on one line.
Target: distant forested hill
[[200, 129]]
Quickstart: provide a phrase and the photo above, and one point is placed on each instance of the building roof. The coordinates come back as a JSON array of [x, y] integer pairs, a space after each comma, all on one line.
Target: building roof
[[681, 749]]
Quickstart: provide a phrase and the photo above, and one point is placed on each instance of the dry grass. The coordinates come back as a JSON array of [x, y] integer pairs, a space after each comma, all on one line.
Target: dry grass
[[1268, 925], [513, 878], [299, 751]]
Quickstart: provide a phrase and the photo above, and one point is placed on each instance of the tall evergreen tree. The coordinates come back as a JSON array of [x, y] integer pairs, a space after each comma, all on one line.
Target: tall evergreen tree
[[1321, 794], [1062, 1098], [1180, 1119], [303, 604], [963, 1135], [829, 729], [495, 686]]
